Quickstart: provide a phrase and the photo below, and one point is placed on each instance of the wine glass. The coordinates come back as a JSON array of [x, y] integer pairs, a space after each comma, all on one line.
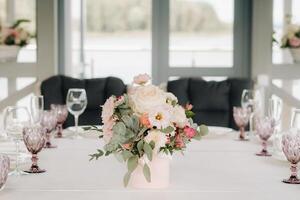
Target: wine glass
[[295, 122], [264, 128], [274, 113], [4, 169], [291, 149], [241, 118], [34, 138], [48, 121], [61, 112], [36, 108], [76, 103], [251, 99], [15, 119]]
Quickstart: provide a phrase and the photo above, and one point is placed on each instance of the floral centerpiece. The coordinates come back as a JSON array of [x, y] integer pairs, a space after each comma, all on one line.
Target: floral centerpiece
[[146, 126], [291, 40], [12, 38]]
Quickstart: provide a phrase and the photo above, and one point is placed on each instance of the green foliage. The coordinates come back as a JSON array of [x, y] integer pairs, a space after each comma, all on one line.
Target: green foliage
[[169, 129], [147, 173], [126, 178], [96, 155], [126, 155], [189, 114], [19, 22], [132, 163], [148, 150]]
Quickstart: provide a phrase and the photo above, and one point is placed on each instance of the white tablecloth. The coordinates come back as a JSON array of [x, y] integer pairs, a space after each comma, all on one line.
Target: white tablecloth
[[218, 167]]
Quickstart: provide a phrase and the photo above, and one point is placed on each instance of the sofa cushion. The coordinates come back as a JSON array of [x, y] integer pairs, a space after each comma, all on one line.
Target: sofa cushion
[[52, 91], [212, 118], [209, 95], [95, 90], [180, 89]]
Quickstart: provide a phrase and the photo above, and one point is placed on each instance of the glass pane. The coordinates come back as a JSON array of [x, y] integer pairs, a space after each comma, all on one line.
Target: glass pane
[[118, 38], [18, 43], [23, 82], [201, 33], [4, 88], [26, 9], [281, 18]]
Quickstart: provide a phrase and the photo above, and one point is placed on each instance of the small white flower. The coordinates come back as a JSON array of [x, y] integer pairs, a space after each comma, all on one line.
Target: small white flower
[[160, 116], [158, 137]]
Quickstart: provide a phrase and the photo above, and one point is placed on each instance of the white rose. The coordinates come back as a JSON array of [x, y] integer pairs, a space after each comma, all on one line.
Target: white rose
[[159, 138], [170, 97], [145, 98], [179, 117]]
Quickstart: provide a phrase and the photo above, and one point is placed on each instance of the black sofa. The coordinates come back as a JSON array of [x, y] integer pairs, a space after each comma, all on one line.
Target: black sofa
[[213, 101], [55, 89]]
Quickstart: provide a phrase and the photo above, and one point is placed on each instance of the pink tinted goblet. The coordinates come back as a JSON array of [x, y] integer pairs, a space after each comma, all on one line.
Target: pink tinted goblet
[[4, 169], [291, 149], [49, 122], [61, 112], [241, 118], [34, 138], [265, 129]]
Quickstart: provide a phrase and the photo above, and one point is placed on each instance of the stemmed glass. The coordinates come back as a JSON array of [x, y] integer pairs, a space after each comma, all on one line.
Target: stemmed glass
[[4, 169], [34, 138], [251, 99], [241, 118], [36, 108], [264, 128], [48, 121], [61, 112], [291, 149], [15, 119], [274, 113], [76, 103]]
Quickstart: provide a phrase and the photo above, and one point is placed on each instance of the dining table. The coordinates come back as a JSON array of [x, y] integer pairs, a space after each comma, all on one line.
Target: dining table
[[218, 167]]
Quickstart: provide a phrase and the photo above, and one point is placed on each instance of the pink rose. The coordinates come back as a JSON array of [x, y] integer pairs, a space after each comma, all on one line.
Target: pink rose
[[294, 42], [108, 109], [189, 132], [188, 106], [141, 79], [144, 120], [107, 130]]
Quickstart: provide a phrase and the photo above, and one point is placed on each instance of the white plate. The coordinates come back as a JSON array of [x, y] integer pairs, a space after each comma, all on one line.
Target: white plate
[[218, 130]]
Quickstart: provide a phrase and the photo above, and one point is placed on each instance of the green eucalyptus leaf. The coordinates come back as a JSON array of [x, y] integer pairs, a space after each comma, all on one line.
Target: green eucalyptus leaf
[[169, 129], [127, 120], [132, 163], [126, 154], [152, 144], [148, 150], [203, 130], [197, 136], [119, 157], [135, 123], [126, 178], [147, 173], [119, 128], [129, 133], [140, 146]]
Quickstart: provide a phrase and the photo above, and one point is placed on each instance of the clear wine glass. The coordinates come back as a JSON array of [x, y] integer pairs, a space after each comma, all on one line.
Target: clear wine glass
[[274, 112], [76, 103], [34, 138], [241, 118], [251, 99], [61, 112], [48, 121], [291, 149], [264, 128], [295, 122], [36, 108], [15, 119]]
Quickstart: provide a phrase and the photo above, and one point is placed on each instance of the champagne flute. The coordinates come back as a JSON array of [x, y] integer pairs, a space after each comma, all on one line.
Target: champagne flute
[[36, 108], [76, 103], [251, 100], [15, 119], [274, 112]]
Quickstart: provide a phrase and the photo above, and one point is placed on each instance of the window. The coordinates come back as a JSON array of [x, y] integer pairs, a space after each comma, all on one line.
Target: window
[[13, 10], [118, 38], [284, 12], [201, 33]]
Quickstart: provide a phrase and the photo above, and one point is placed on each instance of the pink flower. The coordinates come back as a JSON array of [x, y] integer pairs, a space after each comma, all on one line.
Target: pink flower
[[189, 132], [144, 120], [141, 79], [107, 130], [294, 42], [188, 106], [127, 146], [108, 109], [120, 100], [179, 141]]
